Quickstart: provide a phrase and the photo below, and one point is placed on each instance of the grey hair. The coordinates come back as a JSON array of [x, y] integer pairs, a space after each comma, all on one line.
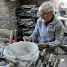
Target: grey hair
[[46, 6]]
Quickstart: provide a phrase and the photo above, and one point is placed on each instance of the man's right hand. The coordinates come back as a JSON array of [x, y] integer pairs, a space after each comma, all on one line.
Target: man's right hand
[[26, 38], [42, 46]]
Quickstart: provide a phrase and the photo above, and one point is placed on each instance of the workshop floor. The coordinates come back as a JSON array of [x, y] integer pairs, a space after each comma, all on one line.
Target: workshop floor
[[63, 63], [63, 59]]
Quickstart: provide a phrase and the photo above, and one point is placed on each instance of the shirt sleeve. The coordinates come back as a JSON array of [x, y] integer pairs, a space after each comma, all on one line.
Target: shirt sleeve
[[35, 33], [59, 33]]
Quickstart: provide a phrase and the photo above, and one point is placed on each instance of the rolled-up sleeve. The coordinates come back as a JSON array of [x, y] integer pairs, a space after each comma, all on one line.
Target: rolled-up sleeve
[[59, 33]]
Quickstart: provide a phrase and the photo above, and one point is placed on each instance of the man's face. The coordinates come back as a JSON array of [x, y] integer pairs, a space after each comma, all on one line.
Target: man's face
[[47, 16]]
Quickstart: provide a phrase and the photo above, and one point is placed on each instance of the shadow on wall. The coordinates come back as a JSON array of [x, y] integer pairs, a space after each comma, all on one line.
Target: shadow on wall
[[34, 2]]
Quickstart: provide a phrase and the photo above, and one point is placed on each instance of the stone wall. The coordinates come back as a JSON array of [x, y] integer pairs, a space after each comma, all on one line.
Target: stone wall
[[7, 15], [36, 2]]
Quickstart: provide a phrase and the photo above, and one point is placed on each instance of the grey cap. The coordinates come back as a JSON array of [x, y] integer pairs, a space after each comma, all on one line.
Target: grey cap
[[46, 6]]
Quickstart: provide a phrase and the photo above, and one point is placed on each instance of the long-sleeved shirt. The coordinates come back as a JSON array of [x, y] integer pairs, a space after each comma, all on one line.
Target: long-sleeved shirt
[[52, 33]]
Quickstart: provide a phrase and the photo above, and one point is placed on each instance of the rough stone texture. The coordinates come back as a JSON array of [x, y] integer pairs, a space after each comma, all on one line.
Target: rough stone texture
[[7, 15]]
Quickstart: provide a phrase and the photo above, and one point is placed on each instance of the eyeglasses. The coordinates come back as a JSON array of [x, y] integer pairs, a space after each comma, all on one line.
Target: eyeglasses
[[45, 14]]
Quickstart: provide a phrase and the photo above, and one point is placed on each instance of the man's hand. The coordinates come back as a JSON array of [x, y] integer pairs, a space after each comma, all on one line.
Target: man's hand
[[43, 45], [26, 38]]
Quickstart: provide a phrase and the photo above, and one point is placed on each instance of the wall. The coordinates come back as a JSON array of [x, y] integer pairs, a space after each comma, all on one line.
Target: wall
[[37, 2], [7, 15]]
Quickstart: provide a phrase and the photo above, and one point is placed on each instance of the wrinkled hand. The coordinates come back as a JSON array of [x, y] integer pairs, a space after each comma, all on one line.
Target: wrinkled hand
[[42, 46], [26, 38]]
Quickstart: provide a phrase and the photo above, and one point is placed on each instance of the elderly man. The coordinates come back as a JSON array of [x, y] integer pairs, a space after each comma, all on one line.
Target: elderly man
[[48, 30]]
